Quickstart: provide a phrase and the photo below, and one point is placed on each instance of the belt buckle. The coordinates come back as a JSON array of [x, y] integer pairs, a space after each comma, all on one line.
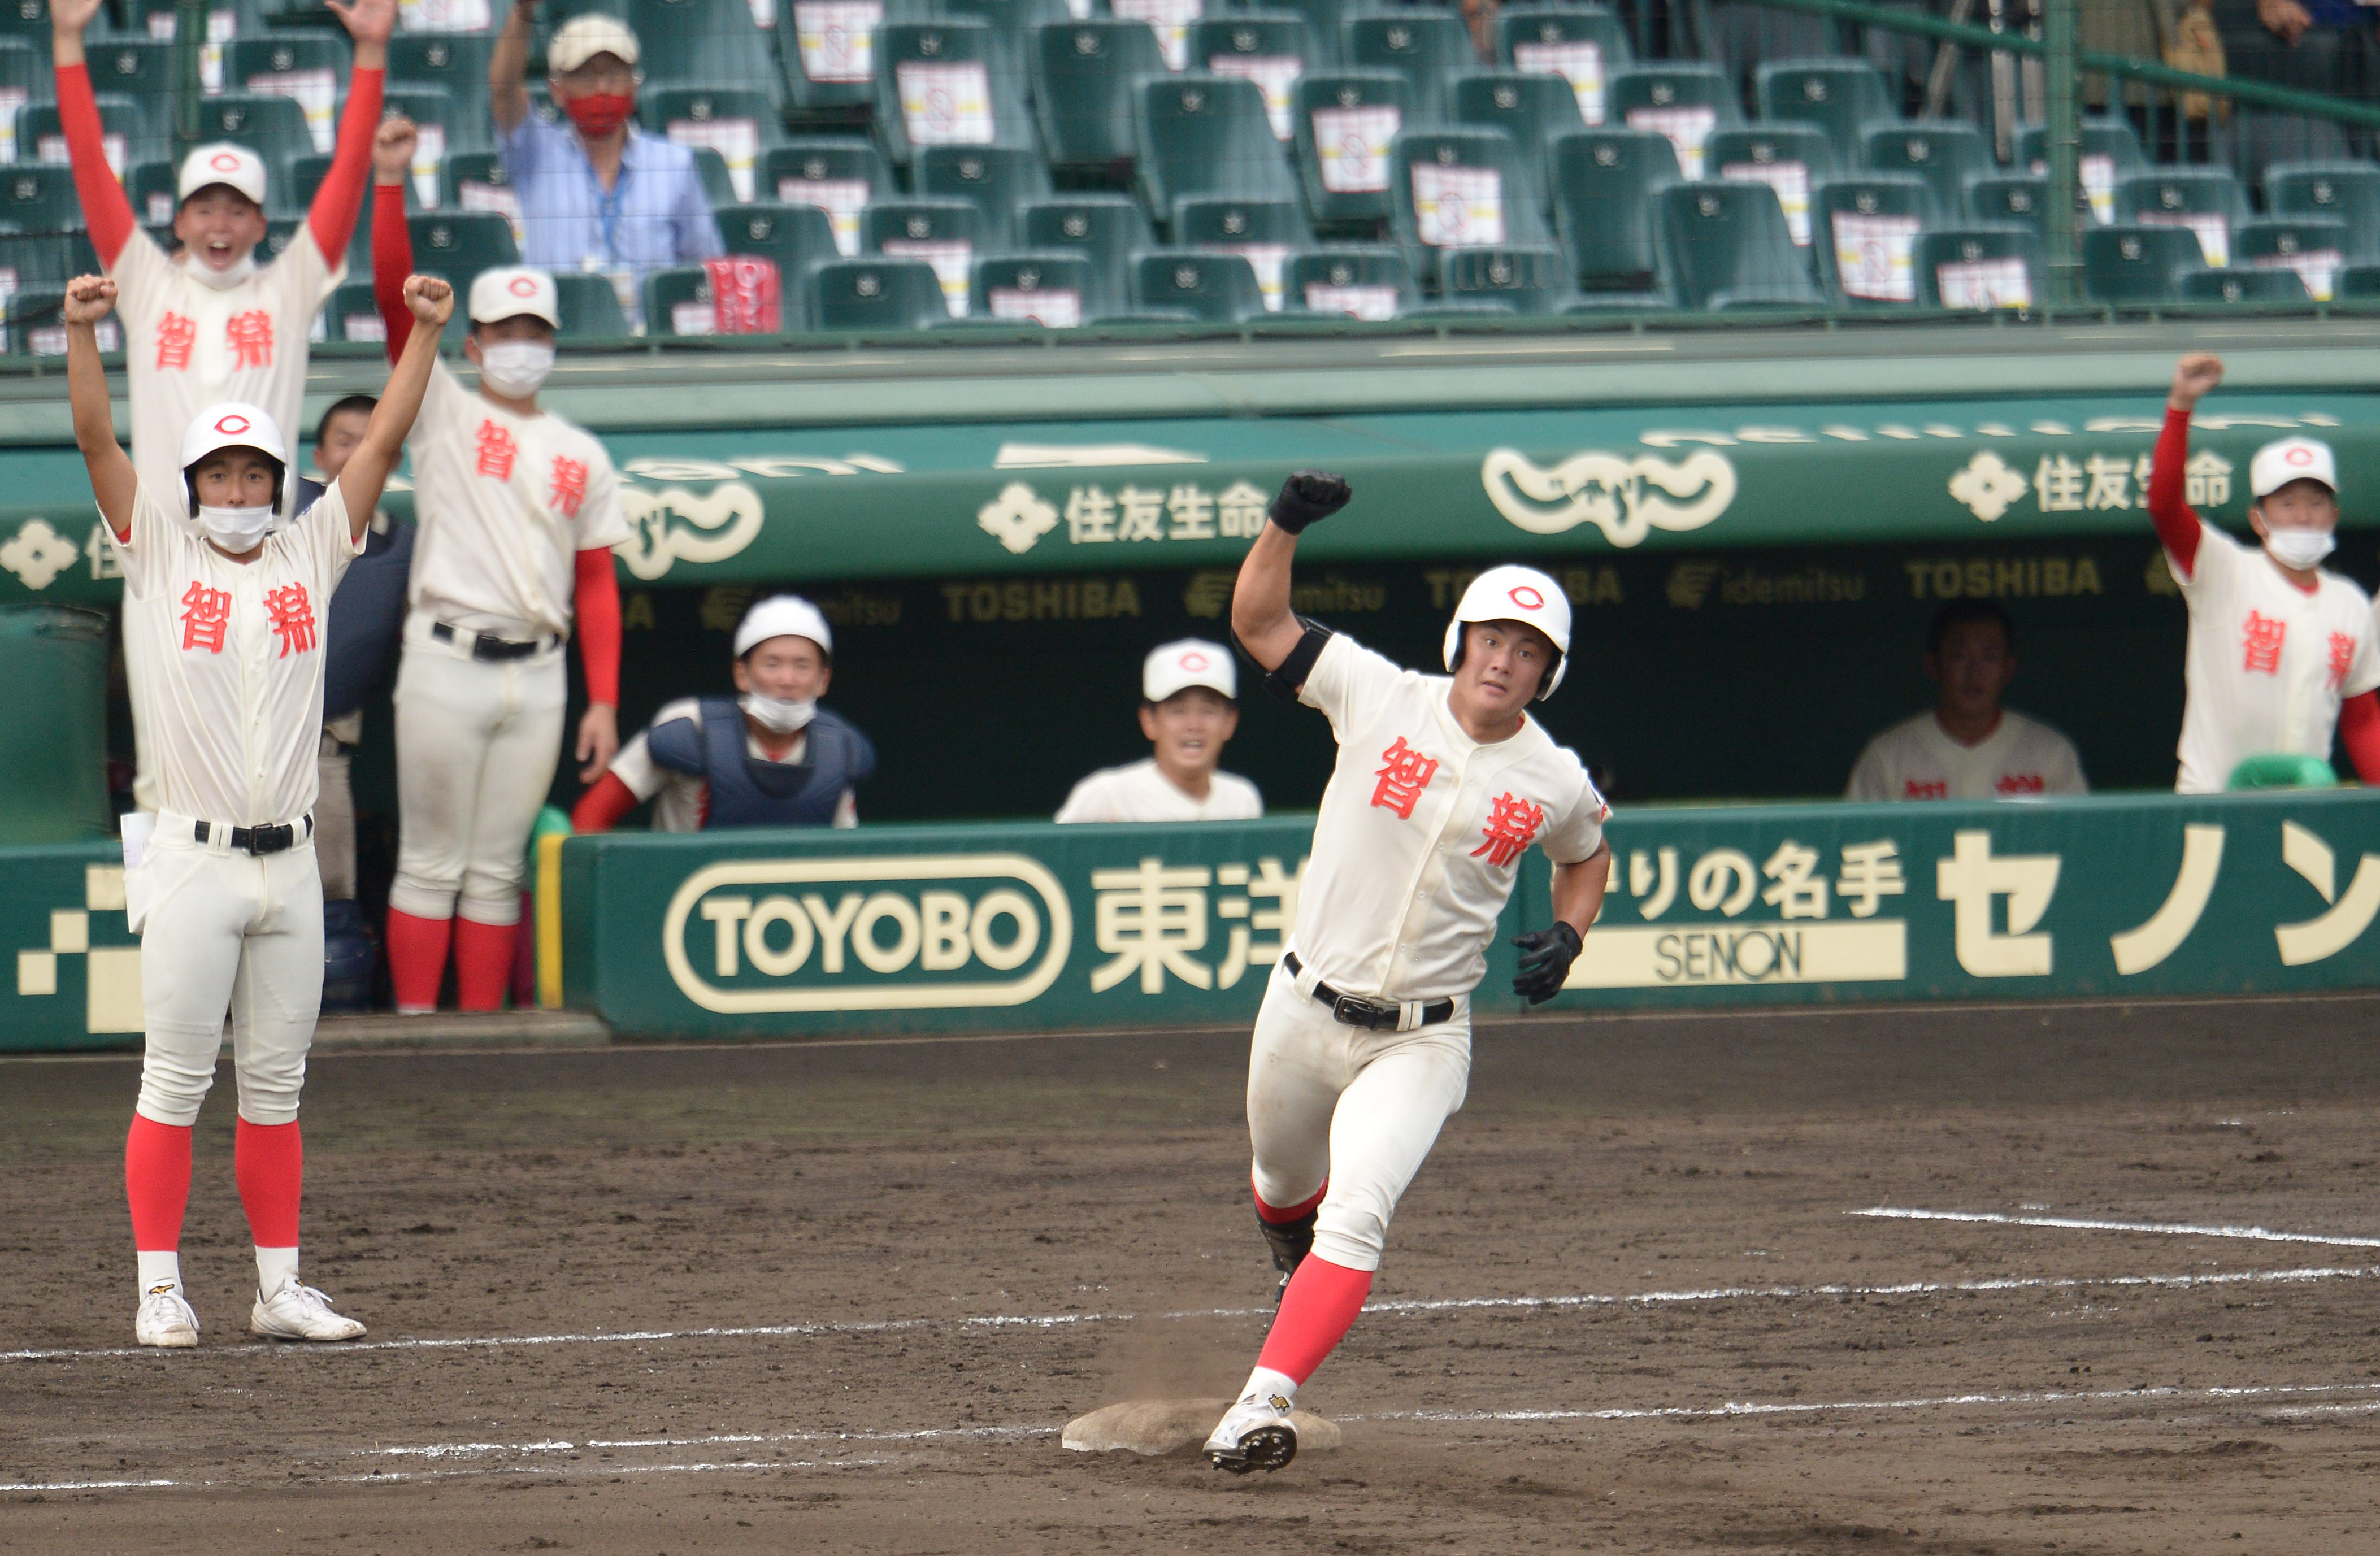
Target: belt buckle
[[270, 840], [1354, 1010]]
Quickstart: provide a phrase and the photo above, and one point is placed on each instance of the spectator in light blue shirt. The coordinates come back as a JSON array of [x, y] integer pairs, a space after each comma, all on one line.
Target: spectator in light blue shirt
[[596, 193]]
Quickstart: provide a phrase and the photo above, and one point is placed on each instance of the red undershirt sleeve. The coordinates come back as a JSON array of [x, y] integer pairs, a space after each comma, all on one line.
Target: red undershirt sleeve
[[2358, 730], [105, 209], [392, 262], [2176, 525], [598, 606], [340, 199], [600, 808]]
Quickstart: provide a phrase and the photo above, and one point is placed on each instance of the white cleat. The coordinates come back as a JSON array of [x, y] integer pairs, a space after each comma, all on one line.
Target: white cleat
[[299, 1312], [165, 1320], [1253, 1434]]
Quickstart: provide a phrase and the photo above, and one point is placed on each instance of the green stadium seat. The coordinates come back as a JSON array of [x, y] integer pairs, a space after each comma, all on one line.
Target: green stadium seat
[[477, 181], [1739, 36], [272, 126], [39, 198], [35, 262], [1582, 44], [591, 308], [2312, 247], [1429, 48], [2237, 284], [1792, 159], [2205, 199], [1106, 229], [839, 174], [945, 83], [1199, 134], [27, 19], [1326, 26], [1270, 48], [1681, 99], [457, 61], [1606, 184], [2111, 153], [351, 314], [121, 127], [1458, 189], [1945, 154], [459, 244], [676, 301], [306, 176], [2356, 282], [2126, 264], [704, 43], [1866, 238], [1728, 247], [1052, 288], [1532, 109], [1843, 97], [1216, 288], [1012, 23], [153, 187], [718, 183], [309, 68], [2020, 198], [1368, 282], [826, 53], [2261, 140], [445, 129], [1086, 77], [36, 323], [739, 123], [1346, 121], [947, 234], [2347, 190], [1982, 267], [1263, 232], [875, 294], [139, 69], [1528, 279], [793, 236], [279, 233], [995, 179], [24, 76]]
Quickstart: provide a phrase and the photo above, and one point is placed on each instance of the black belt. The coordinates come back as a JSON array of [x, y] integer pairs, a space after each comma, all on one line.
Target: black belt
[[485, 647], [259, 840], [1375, 1014]]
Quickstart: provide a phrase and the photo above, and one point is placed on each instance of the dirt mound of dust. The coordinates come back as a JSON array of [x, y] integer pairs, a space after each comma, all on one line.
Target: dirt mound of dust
[[1156, 1427]]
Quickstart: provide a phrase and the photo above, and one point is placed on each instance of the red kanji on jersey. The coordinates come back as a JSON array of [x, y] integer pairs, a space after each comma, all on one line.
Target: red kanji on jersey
[[2261, 637], [497, 451], [250, 334], [176, 337], [1511, 822], [1919, 789], [293, 618], [1403, 780], [569, 486], [208, 613], [2342, 658], [2021, 783]]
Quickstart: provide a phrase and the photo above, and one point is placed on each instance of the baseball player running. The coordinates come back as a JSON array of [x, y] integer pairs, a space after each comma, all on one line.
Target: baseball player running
[[1362, 1043], [2282, 652], [519, 510], [1186, 715], [223, 600]]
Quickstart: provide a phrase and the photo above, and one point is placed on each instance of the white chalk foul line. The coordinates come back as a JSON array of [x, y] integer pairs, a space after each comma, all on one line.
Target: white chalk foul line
[[1937, 1402], [1417, 1307], [603, 1445], [2093, 1223], [10, 1488]]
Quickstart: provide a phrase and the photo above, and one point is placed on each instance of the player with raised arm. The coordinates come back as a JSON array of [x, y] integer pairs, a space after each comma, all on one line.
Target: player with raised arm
[[1363, 1045], [223, 598], [2282, 652]]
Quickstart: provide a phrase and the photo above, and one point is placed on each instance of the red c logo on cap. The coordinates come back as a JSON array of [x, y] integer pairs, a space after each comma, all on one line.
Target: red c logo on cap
[[225, 162], [523, 286], [2300, 456], [1527, 598], [1194, 661], [233, 425]]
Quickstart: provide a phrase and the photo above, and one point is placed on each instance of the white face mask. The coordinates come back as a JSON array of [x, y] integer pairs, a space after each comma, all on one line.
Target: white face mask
[[236, 529], [777, 715], [514, 368], [2301, 549], [206, 275]]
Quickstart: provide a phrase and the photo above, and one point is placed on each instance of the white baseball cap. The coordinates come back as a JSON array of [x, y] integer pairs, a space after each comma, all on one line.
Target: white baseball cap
[[1516, 593], [783, 616], [1192, 662], [583, 36], [223, 163], [512, 290], [232, 424], [2277, 464]]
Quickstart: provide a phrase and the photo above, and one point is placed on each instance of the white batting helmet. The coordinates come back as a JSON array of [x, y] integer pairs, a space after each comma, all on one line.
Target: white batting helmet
[[1516, 593], [784, 616], [232, 424]]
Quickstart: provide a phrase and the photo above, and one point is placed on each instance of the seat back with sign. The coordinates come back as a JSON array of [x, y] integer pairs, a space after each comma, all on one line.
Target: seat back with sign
[[839, 174], [1582, 45], [1086, 77], [458, 245], [1945, 154], [1527, 278], [1727, 246], [1430, 49], [1345, 123], [1843, 97], [457, 61], [739, 123], [1198, 134], [2207, 200], [1458, 189], [353, 315], [2315, 248], [2111, 154], [1012, 24], [1865, 232], [1270, 48], [792, 237], [308, 69], [1683, 100], [1326, 26], [1266, 232], [2346, 191], [154, 190], [1371, 281], [1213, 287], [2126, 264], [588, 305], [681, 300], [121, 127], [444, 130], [274, 127], [1106, 229], [945, 83], [1532, 109], [826, 51], [1981, 266], [995, 179], [711, 42], [2021, 198], [1793, 159], [2271, 287], [1051, 288], [39, 198], [1606, 184], [947, 234], [139, 69], [875, 294]]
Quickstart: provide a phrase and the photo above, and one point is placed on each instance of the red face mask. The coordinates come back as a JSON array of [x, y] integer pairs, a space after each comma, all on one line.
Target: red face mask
[[599, 113]]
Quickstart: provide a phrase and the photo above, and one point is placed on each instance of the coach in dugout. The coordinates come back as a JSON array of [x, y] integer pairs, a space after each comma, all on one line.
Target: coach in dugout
[[1967, 746], [1187, 714], [768, 756]]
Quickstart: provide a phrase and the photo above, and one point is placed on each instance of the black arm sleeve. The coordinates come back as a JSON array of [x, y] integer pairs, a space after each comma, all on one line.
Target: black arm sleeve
[[1290, 675]]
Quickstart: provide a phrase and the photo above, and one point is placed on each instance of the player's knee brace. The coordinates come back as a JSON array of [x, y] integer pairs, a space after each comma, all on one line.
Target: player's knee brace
[[1290, 1241]]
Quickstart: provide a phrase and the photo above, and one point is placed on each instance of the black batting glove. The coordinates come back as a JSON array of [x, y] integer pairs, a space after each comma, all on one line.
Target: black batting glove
[[1546, 957], [1308, 497]]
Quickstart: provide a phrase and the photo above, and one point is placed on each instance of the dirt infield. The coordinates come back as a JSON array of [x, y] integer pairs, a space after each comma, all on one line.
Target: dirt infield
[[696, 1299]]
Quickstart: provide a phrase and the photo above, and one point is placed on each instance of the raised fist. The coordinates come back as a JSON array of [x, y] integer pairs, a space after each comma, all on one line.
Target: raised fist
[[393, 145], [88, 298], [431, 298], [2193, 376], [1308, 497]]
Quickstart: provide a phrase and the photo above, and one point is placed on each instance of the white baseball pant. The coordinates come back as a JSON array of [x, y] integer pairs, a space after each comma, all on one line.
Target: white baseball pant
[[477, 742], [228, 931], [1358, 1107]]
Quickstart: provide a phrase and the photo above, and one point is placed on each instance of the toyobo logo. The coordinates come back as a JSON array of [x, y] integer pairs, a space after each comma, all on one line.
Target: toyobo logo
[[908, 934]]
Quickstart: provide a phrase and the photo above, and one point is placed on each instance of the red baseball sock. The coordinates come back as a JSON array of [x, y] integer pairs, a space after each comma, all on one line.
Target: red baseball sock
[[157, 1181], [1316, 1314], [417, 958], [483, 963], [1277, 1216], [270, 1162]]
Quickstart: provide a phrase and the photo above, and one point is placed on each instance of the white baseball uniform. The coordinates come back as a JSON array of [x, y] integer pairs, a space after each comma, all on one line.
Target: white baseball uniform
[[505, 504], [231, 693], [2268, 662], [1140, 791], [1416, 849], [1916, 758], [686, 799]]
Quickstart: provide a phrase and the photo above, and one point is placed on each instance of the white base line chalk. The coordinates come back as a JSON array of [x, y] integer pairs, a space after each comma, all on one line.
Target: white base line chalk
[[1938, 1401], [2092, 1223]]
